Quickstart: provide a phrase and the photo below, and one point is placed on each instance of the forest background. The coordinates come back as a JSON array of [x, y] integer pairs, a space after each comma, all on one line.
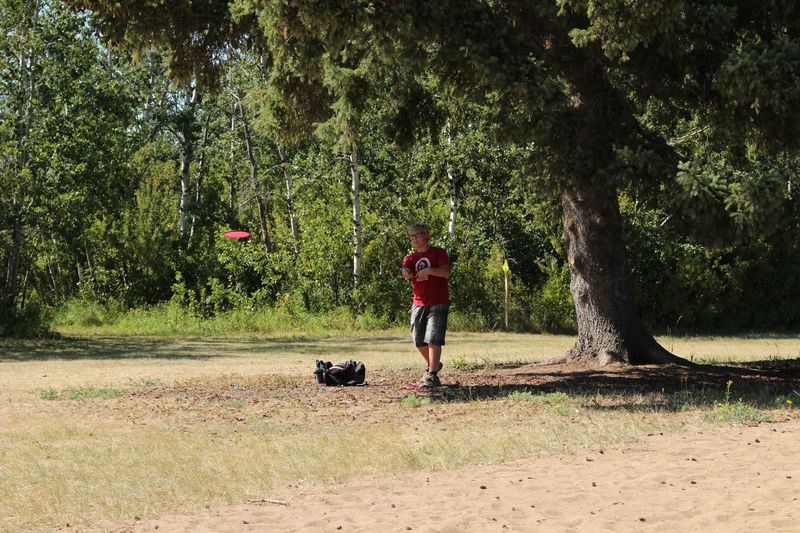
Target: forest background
[[117, 185]]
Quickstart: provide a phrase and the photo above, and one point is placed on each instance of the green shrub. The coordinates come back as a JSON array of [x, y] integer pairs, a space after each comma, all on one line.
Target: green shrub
[[33, 321], [82, 313]]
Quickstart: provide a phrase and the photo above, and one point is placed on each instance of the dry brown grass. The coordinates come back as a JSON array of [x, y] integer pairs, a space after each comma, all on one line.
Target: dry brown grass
[[195, 423]]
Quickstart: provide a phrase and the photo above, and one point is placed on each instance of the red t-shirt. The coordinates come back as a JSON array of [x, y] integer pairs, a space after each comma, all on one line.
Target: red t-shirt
[[434, 290]]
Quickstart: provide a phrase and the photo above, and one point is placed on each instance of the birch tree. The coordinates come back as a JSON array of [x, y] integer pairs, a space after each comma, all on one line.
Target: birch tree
[[355, 196], [289, 180], [255, 178]]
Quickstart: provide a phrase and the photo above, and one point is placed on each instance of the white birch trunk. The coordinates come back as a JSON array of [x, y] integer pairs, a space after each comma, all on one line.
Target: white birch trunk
[[198, 178], [233, 189], [187, 154], [355, 194], [452, 186]]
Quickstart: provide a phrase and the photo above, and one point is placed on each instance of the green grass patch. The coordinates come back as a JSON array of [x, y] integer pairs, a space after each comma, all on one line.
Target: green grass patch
[[71, 393], [737, 413], [460, 363], [170, 318], [415, 400]]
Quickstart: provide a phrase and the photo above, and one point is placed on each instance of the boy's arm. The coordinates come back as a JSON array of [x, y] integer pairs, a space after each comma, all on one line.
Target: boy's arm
[[405, 270], [440, 272]]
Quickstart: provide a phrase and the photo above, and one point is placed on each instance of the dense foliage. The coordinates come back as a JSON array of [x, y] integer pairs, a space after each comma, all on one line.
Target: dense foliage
[[118, 184]]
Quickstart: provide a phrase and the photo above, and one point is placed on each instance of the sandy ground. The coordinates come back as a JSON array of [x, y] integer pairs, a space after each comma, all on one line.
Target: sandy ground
[[735, 478]]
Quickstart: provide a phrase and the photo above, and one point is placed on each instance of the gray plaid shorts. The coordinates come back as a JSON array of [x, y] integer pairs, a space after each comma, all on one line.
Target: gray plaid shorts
[[429, 324]]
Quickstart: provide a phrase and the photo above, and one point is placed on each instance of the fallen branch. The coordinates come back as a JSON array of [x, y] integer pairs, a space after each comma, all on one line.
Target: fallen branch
[[267, 500]]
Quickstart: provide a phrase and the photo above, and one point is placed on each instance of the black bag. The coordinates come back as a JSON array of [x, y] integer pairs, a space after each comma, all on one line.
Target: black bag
[[349, 373]]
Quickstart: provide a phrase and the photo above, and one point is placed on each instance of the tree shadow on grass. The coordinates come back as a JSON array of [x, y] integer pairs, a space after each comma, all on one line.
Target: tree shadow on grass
[[72, 349], [197, 348], [761, 384]]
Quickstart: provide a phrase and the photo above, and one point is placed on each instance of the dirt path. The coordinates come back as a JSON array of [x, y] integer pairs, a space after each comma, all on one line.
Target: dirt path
[[737, 478]]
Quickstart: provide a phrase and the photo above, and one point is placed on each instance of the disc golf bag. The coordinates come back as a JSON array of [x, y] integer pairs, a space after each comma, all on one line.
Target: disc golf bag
[[348, 373]]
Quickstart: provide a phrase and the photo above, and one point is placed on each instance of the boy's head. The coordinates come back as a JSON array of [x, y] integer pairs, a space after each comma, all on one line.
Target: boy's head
[[419, 234], [418, 227]]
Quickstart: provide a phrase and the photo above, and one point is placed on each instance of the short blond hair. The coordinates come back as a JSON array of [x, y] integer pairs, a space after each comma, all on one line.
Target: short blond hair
[[419, 225]]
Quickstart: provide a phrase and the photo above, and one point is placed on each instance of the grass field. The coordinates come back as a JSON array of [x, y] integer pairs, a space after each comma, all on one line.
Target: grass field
[[103, 430]]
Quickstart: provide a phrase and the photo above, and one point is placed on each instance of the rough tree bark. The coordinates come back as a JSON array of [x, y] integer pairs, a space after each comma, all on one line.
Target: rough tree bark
[[610, 329]]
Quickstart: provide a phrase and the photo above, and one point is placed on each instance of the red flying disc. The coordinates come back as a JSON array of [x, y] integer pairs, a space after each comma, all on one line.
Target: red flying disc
[[236, 234]]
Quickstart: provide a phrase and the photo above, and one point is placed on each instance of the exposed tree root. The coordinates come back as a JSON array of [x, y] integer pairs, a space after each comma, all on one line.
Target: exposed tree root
[[580, 355]]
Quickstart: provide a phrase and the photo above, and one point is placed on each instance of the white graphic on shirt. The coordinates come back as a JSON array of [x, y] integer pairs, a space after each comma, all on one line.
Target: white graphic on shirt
[[422, 264]]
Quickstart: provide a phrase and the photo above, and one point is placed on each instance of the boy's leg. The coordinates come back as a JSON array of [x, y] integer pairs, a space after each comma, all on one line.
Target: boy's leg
[[428, 326], [434, 335], [419, 327], [427, 354], [434, 358], [425, 351]]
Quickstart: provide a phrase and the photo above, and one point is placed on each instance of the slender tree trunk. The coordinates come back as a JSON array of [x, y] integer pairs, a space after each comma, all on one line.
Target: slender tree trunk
[[355, 195], [48, 263], [109, 60], [24, 290], [254, 181], [198, 179], [287, 174], [187, 155], [610, 329], [52, 278], [232, 192], [90, 268], [54, 268], [11, 287], [452, 187]]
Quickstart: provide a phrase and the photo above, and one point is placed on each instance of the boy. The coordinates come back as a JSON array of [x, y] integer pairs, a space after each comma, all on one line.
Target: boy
[[428, 268]]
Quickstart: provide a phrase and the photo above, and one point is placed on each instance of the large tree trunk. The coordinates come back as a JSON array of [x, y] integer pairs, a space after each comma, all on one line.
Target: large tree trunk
[[610, 329]]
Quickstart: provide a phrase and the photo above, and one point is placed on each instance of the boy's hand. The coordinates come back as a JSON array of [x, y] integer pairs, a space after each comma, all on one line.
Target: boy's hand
[[406, 273], [422, 275]]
